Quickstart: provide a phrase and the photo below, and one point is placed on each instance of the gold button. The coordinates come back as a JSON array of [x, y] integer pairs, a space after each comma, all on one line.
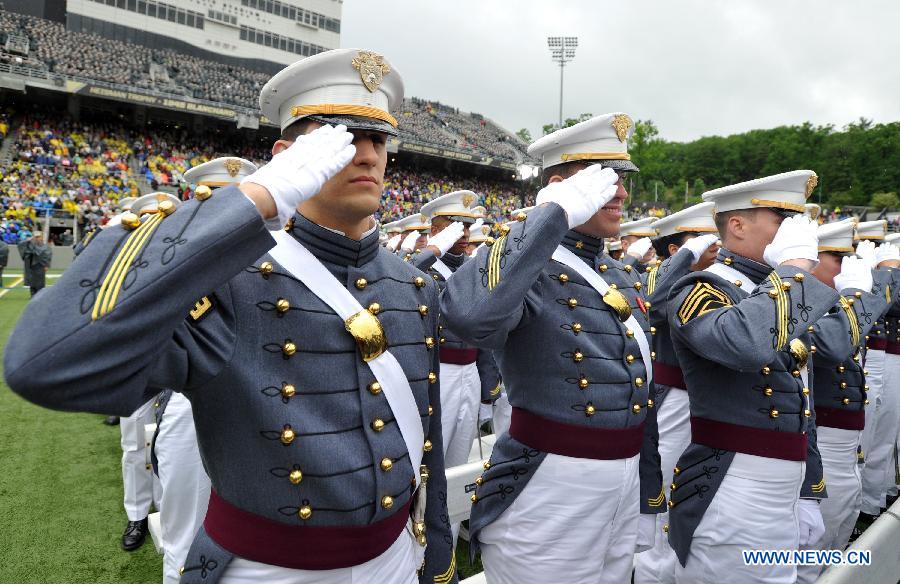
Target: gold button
[[629, 333], [361, 283], [665, 528], [266, 268], [576, 327], [374, 388], [432, 377], [768, 391], [865, 388], [846, 401], [520, 216], [628, 269], [289, 348], [305, 512], [295, 477], [673, 486], [638, 382], [795, 373], [486, 465], [181, 570], [858, 294], [766, 370], [374, 308], [813, 349], [649, 403], [807, 413], [427, 446], [805, 391], [727, 261], [583, 383], [652, 330], [479, 481], [636, 408], [637, 285], [130, 221], [671, 504], [442, 340], [423, 309], [578, 357], [738, 283], [563, 278], [386, 464], [572, 302], [810, 329], [603, 268], [865, 402], [589, 410], [614, 287], [773, 293], [419, 282], [288, 390], [429, 342], [850, 301], [773, 413], [287, 435], [166, 207], [202, 193], [785, 286], [282, 305], [504, 229], [676, 471], [865, 371], [629, 359], [378, 424], [473, 498], [430, 409], [647, 304], [843, 385], [798, 277], [489, 241], [653, 355]]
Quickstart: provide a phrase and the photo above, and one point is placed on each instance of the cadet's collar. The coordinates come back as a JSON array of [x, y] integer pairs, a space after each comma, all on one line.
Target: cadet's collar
[[453, 261], [756, 271], [584, 246], [333, 247]]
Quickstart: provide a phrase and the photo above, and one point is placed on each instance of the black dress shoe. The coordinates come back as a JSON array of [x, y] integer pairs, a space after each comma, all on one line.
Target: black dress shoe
[[891, 499], [111, 421], [135, 534]]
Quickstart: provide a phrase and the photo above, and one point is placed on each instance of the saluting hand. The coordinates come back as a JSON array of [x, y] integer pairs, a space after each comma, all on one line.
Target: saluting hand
[[582, 194], [796, 244], [299, 172]]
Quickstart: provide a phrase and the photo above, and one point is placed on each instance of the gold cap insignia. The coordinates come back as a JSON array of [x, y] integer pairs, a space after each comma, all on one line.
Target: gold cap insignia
[[233, 167], [161, 197], [372, 69], [621, 123], [468, 199], [423, 217], [485, 229], [811, 183]]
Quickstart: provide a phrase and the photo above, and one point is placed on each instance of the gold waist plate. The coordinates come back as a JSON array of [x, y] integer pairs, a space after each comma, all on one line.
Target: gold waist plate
[[619, 303], [369, 334], [800, 352]]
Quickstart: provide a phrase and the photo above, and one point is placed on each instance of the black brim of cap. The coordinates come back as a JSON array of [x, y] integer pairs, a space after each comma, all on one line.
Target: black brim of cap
[[357, 123], [626, 165]]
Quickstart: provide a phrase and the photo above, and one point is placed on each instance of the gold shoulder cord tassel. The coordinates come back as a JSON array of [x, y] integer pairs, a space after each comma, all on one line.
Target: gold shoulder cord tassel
[[419, 508]]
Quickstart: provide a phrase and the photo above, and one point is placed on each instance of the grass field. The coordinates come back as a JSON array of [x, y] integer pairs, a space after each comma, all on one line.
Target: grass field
[[61, 515]]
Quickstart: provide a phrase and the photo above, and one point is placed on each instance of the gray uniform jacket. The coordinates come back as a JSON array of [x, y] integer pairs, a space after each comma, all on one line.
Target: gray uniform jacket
[[563, 353], [4, 254], [275, 381], [741, 356], [839, 378]]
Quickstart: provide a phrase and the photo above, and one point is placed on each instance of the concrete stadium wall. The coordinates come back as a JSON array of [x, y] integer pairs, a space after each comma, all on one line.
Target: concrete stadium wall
[[63, 256]]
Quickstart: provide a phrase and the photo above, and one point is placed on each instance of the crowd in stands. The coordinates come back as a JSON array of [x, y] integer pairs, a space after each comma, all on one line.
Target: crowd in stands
[[56, 50]]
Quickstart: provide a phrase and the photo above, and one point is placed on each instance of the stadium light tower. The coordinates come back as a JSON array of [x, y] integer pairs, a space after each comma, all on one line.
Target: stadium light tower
[[562, 50]]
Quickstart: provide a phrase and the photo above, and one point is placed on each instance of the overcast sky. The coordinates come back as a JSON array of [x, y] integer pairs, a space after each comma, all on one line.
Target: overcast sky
[[696, 68]]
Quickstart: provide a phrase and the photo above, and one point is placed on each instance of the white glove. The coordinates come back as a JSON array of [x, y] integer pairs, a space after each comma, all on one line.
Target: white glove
[[699, 245], [299, 172], [409, 242], [796, 239], [812, 528], [866, 251], [394, 242], [855, 273], [646, 533], [448, 236], [582, 194], [640, 247], [485, 412], [886, 252], [476, 227]]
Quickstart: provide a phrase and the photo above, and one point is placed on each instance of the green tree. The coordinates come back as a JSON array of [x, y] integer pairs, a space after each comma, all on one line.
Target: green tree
[[525, 135], [550, 128], [884, 200]]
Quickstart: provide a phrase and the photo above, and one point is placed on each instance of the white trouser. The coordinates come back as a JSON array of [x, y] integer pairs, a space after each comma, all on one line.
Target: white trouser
[[657, 565], [892, 386], [576, 521], [397, 565], [877, 447], [840, 509], [460, 400], [141, 488], [185, 486], [502, 414], [755, 508]]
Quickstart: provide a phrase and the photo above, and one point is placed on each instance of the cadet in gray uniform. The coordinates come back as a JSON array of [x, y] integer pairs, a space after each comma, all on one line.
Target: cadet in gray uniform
[[561, 495], [311, 369], [739, 330]]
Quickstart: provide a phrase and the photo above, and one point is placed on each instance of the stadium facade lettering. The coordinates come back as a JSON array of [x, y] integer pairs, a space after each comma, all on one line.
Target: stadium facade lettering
[[155, 101]]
